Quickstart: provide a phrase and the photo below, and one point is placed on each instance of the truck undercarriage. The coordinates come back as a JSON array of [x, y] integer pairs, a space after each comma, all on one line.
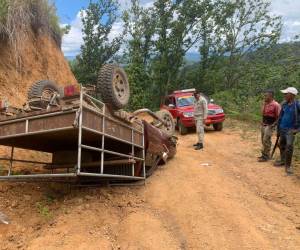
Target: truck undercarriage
[[88, 141]]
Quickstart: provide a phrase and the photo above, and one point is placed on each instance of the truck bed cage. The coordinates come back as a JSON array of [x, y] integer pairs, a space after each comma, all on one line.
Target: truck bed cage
[[117, 145]]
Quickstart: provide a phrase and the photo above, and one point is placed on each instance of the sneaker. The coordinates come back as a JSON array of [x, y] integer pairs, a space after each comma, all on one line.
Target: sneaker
[[279, 164], [199, 146]]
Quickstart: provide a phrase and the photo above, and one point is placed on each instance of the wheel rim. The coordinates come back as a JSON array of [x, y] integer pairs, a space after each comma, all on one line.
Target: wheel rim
[[168, 123], [48, 93], [120, 86]]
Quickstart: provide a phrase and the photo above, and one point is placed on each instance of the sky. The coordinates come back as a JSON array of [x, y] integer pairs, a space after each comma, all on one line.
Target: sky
[[69, 13]]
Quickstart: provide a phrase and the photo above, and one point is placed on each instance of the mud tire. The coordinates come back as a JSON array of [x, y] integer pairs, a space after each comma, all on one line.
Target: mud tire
[[113, 87], [38, 89], [218, 126], [166, 116], [182, 129]]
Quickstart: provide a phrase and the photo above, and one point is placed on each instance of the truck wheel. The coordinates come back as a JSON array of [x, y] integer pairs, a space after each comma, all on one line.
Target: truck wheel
[[112, 86], [43, 88], [218, 126], [182, 129], [167, 117]]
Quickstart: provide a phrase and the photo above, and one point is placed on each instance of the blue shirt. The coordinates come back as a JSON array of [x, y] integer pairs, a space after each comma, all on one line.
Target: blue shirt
[[288, 115]]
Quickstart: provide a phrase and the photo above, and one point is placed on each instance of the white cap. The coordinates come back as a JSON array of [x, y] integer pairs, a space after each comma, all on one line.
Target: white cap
[[290, 90]]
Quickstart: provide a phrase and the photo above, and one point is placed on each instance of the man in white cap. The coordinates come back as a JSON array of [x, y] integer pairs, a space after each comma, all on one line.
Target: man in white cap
[[288, 126]]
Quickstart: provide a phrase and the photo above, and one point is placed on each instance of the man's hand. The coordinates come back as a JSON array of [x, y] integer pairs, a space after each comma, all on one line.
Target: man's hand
[[294, 131]]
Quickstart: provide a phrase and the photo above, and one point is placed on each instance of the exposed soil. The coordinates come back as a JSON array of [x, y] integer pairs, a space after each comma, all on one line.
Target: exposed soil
[[41, 59], [232, 202]]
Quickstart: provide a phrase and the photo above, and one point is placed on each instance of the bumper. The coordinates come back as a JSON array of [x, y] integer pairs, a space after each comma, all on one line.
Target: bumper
[[212, 119]]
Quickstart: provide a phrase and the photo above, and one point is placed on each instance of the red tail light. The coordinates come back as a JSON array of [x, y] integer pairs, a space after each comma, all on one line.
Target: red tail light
[[71, 90]]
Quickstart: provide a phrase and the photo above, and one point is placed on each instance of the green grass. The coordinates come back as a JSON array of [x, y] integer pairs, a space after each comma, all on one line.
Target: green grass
[[3, 11], [43, 206], [43, 209]]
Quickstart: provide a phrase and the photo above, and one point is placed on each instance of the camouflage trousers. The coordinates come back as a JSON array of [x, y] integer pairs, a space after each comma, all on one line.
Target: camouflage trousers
[[266, 140], [200, 128]]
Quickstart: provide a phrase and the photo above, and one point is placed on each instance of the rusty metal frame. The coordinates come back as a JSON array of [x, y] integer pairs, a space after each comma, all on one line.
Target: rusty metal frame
[[79, 125]]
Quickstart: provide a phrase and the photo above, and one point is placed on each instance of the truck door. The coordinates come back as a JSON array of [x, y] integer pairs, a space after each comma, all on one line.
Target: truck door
[[172, 106]]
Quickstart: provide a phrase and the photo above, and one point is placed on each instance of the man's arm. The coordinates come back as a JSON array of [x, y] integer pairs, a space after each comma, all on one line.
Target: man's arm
[[277, 114], [297, 117]]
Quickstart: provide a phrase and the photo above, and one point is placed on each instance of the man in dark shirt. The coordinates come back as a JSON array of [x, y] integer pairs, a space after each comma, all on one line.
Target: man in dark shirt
[[270, 114], [288, 126]]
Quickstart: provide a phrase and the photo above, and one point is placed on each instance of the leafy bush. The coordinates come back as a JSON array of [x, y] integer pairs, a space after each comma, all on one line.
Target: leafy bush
[[239, 105]]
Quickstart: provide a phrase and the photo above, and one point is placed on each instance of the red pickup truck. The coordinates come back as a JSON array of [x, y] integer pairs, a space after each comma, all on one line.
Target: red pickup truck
[[181, 105]]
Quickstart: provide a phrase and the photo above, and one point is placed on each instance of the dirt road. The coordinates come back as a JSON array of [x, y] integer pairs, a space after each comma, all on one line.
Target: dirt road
[[233, 203]]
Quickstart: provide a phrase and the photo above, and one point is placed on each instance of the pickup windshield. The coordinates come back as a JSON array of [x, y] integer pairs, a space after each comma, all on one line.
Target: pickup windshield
[[184, 101]]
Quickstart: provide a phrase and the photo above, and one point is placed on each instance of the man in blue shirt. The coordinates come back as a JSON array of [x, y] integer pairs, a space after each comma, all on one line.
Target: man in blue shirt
[[288, 126]]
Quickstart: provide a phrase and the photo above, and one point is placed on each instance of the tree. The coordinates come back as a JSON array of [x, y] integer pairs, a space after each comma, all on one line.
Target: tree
[[98, 48], [140, 25], [175, 23], [243, 26]]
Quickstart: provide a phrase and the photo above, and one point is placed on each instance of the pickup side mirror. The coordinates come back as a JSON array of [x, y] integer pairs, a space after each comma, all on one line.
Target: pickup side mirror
[[172, 106]]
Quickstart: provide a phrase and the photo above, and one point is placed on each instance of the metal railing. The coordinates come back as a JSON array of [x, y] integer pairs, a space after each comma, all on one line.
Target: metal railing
[[78, 124]]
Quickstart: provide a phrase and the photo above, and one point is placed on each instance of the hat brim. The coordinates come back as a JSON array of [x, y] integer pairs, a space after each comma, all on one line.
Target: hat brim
[[284, 91]]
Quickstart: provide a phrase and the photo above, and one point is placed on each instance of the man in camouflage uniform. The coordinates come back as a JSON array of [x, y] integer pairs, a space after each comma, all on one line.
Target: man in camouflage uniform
[[200, 115]]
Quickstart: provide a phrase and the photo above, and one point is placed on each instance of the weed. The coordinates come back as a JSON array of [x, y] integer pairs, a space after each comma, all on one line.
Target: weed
[[43, 209]]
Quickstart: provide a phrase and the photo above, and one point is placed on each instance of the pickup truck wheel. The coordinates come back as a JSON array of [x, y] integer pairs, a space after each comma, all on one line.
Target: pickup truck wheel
[[167, 117], [44, 89], [218, 126], [112, 86], [182, 129]]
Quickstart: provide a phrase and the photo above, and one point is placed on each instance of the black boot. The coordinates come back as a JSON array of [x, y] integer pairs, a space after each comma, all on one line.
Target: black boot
[[199, 146], [289, 170], [196, 144], [279, 163]]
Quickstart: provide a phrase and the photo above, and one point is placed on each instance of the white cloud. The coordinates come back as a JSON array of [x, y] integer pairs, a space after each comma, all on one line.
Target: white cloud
[[290, 12], [71, 42]]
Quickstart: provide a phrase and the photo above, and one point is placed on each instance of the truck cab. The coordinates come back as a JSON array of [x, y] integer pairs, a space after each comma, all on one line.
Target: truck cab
[[180, 104]]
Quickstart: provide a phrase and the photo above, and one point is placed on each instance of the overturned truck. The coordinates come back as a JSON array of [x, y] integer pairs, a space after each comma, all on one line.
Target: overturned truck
[[86, 131]]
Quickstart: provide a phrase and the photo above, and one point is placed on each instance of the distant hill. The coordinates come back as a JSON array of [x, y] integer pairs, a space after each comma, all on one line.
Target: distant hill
[[192, 57], [70, 58]]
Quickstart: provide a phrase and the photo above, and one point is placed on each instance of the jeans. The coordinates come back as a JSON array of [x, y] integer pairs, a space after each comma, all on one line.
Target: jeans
[[286, 146]]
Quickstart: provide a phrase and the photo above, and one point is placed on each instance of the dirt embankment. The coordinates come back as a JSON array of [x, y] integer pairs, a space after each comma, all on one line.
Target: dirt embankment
[[41, 59]]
